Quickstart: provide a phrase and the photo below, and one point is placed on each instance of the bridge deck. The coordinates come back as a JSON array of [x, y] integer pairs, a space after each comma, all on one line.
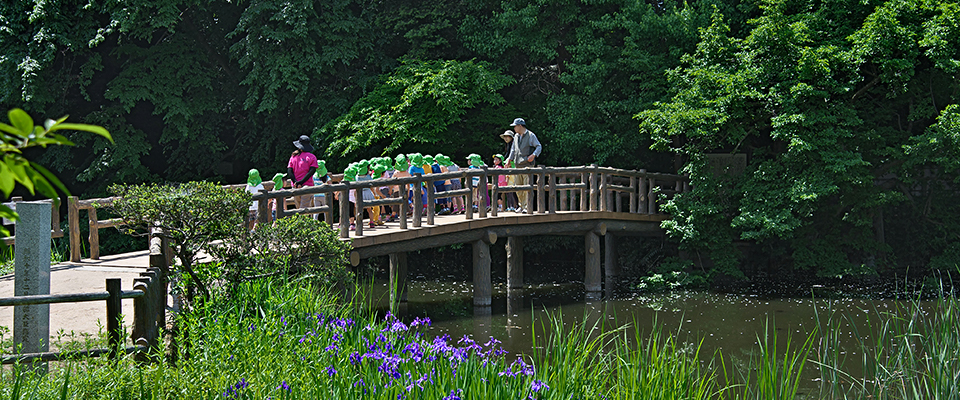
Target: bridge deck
[[449, 229]]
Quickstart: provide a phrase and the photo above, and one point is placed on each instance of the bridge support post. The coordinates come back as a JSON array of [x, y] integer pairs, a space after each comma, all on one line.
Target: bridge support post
[[592, 276], [514, 262], [482, 286], [398, 280], [31, 323], [611, 268]]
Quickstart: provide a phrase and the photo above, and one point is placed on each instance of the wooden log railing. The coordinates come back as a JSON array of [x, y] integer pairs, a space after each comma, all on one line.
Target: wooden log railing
[[553, 189], [149, 296], [585, 189]]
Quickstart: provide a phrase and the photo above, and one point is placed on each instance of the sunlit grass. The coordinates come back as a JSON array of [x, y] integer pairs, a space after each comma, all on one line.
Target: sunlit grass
[[289, 340]]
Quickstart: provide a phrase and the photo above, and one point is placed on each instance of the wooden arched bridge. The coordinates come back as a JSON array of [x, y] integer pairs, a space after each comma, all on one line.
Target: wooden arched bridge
[[589, 200]]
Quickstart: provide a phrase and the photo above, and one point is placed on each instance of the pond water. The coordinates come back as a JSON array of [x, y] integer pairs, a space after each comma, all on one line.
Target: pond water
[[730, 323]]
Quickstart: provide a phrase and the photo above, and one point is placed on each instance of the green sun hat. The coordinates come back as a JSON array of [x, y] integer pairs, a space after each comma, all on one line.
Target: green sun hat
[[428, 159], [417, 160], [379, 169], [350, 174], [446, 162], [400, 163], [500, 156], [278, 181], [322, 169], [475, 160], [363, 167], [253, 177]]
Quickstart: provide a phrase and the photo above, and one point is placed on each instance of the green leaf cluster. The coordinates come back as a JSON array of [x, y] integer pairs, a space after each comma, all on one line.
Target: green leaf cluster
[[844, 109], [191, 216]]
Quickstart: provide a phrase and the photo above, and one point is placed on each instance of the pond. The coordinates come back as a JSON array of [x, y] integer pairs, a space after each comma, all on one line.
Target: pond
[[731, 323]]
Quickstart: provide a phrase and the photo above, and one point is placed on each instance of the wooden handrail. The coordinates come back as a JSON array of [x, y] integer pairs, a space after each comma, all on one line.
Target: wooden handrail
[[598, 189]]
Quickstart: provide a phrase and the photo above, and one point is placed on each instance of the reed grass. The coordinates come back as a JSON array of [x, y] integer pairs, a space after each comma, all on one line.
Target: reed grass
[[288, 340]]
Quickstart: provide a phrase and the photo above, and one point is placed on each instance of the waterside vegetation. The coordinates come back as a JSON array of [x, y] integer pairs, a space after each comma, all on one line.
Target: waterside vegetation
[[287, 339]]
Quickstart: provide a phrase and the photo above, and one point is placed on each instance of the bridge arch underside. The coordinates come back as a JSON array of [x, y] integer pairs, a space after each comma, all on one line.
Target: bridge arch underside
[[482, 233]]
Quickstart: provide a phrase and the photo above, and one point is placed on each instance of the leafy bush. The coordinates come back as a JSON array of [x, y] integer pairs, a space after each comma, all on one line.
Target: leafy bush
[[296, 246], [191, 216]]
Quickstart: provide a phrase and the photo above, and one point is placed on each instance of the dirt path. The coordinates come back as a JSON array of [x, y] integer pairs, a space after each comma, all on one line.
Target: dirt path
[[88, 318]]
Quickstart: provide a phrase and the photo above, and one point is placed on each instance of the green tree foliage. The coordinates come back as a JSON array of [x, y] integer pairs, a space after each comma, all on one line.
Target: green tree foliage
[[420, 102], [190, 215], [840, 107], [22, 134]]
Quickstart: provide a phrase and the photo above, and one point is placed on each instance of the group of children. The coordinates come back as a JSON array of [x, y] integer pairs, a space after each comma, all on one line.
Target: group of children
[[403, 165]]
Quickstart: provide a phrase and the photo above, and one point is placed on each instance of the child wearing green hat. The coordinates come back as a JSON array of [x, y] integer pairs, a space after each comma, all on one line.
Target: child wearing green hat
[[254, 186]]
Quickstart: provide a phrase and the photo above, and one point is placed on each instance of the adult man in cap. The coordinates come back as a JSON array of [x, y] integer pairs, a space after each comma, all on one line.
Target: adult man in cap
[[523, 154]]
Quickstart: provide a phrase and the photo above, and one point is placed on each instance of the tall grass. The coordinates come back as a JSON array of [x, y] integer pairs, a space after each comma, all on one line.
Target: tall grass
[[905, 354], [288, 340], [58, 253]]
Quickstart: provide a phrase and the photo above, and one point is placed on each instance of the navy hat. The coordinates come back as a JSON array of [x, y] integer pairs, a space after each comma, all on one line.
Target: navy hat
[[304, 144], [519, 121]]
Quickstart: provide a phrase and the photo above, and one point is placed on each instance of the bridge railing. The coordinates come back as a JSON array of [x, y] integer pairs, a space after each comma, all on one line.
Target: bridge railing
[[584, 189]]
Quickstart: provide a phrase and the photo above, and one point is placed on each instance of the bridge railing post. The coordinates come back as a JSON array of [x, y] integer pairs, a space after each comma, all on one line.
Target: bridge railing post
[[642, 192], [418, 201], [404, 205], [594, 178], [431, 202], [552, 198], [541, 198], [484, 195], [584, 192], [494, 194], [468, 180], [532, 190], [633, 194], [651, 196], [345, 211], [358, 219]]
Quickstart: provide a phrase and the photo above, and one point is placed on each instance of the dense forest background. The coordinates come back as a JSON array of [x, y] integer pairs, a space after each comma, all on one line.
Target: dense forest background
[[845, 110]]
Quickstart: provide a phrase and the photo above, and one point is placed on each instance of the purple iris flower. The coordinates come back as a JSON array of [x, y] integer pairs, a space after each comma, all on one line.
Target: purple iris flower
[[331, 371], [454, 395], [539, 385], [284, 386]]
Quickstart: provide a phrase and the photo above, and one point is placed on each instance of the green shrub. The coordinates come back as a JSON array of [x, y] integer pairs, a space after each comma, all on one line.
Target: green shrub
[[296, 246], [191, 216]]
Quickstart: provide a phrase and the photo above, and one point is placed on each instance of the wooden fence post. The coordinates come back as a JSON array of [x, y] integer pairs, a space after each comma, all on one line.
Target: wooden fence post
[[552, 199], [142, 316], [113, 316], [562, 179], [94, 234], [541, 194], [633, 195], [73, 225]]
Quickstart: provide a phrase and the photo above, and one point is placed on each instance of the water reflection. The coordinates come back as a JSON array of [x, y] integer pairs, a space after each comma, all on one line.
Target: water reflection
[[731, 323]]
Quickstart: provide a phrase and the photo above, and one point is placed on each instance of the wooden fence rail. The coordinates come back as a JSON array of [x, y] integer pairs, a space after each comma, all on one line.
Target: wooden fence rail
[[149, 296]]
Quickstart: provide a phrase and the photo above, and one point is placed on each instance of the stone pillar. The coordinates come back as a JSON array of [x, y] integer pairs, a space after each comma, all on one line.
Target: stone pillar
[[514, 262], [398, 279], [482, 286], [611, 268], [592, 277], [31, 324]]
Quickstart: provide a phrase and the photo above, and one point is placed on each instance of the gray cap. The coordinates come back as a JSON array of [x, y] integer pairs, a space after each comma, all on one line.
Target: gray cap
[[519, 121]]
